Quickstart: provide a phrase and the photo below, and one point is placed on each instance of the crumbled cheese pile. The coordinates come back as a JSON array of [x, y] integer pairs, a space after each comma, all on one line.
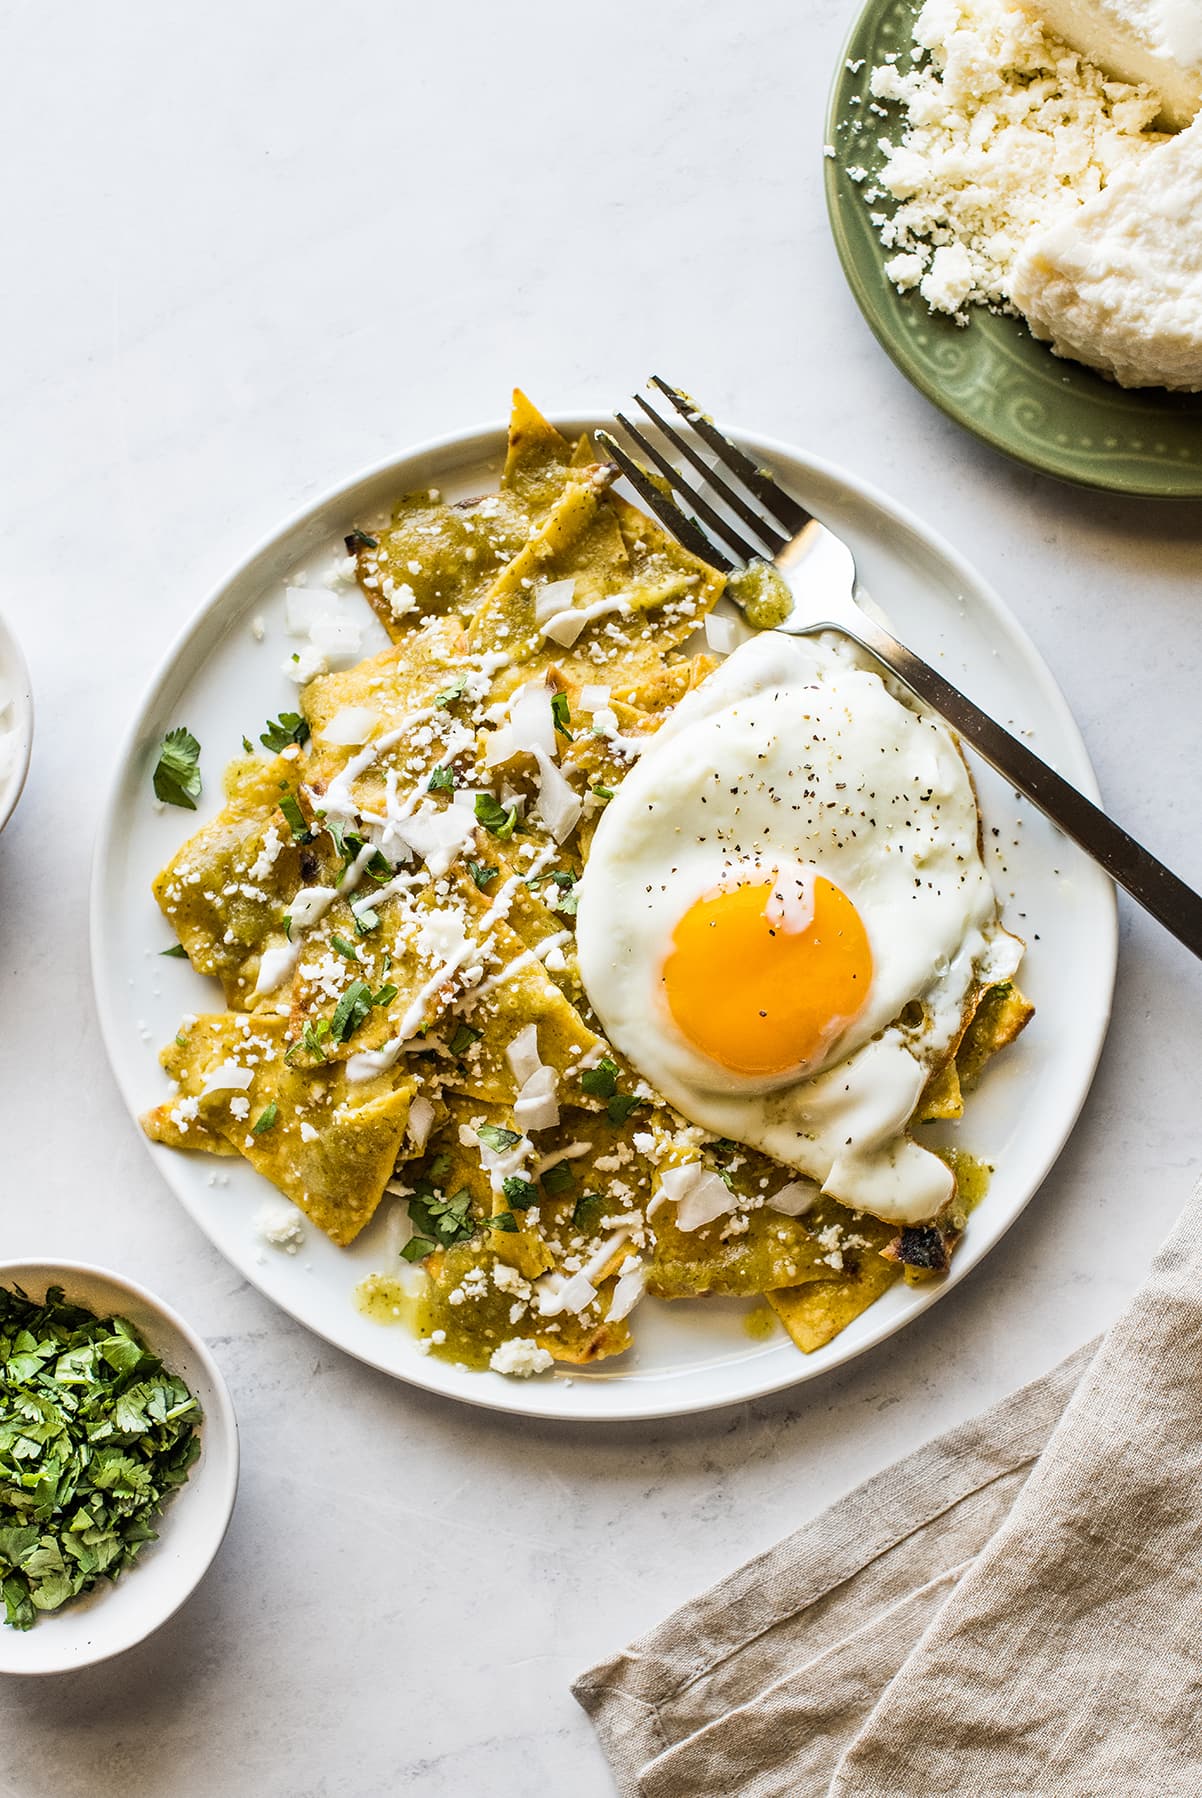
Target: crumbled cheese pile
[[1006, 129]]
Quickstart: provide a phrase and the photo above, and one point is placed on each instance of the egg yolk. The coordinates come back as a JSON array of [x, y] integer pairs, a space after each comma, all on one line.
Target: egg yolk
[[760, 992]]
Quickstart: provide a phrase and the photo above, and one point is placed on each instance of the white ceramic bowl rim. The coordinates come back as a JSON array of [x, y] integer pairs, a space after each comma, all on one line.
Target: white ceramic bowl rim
[[53, 1645]]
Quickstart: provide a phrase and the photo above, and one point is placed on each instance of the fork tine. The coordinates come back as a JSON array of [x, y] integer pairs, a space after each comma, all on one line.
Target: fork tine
[[718, 525], [686, 530], [738, 505], [788, 511]]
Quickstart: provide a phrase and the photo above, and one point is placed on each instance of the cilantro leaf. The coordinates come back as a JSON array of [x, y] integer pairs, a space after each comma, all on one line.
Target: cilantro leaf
[[266, 1120], [386, 995], [520, 1193], [177, 952], [449, 695], [463, 1039], [587, 1211], [619, 1106], [482, 874], [561, 711], [417, 1248], [494, 1137], [340, 946], [350, 1011], [602, 1081], [441, 780], [176, 776], [283, 731], [248, 746], [313, 1037], [503, 1220], [356, 540], [295, 818], [366, 920], [494, 816], [559, 1179], [605, 793]]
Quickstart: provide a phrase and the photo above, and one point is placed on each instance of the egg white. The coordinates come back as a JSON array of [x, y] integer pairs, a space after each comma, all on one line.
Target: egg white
[[791, 756]]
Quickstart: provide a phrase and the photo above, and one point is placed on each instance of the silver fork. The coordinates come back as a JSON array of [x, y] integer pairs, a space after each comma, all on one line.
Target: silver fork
[[821, 575]]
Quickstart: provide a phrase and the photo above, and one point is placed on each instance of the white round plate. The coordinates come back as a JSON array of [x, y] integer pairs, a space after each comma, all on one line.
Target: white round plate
[[113, 1617], [220, 680]]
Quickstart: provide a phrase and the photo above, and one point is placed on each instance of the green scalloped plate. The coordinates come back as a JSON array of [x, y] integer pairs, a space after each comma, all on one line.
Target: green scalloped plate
[[992, 376]]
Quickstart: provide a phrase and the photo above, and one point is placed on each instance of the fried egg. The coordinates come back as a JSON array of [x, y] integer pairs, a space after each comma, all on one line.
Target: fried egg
[[785, 917]]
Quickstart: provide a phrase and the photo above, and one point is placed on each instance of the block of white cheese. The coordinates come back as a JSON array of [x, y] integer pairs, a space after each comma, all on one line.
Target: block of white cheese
[[1155, 41], [1117, 284]]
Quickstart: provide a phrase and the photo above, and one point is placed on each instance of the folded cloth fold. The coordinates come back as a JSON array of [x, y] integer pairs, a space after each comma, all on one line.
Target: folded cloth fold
[[1015, 1609]]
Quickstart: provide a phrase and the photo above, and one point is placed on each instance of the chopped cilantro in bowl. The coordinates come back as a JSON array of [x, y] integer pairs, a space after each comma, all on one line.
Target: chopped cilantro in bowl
[[95, 1435], [115, 1428]]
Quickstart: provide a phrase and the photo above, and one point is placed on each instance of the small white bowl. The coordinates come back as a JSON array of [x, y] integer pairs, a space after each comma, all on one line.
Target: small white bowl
[[15, 686], [113, 1617]]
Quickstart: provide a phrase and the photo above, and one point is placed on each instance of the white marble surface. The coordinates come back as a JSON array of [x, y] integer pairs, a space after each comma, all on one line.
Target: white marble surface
[[253, 248]]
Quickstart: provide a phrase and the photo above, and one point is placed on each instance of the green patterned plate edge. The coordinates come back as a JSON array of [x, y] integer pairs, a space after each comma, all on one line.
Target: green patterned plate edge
[[991, 376]]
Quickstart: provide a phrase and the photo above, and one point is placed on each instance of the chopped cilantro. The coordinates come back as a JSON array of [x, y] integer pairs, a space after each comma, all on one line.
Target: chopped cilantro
[[494, 1137], [440, 1167], [366, 920], [356, 540], [340, 946], [379, 869], [586, 1213], [520, 1193], [605, 793], [441, 779], [463, 1039], [561, 711], [95, 1435], [558, 1179], [176, 776], [417, 1248], [449, 695], [177, 952], [566, 898], [503, 1220], [248, 746], [313, 1037], [494, 816], [266, 1119], [385, 996], [602, 1081], [350, 1010], [619, 1106], [442, 1221], [283, 731], [294, 817], [481, 874]]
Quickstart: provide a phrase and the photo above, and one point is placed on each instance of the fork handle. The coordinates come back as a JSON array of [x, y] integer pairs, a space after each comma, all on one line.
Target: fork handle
[[1148, 881]]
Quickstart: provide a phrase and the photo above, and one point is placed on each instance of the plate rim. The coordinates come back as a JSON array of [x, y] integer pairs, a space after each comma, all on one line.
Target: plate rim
[[476, 440], [914, 372]]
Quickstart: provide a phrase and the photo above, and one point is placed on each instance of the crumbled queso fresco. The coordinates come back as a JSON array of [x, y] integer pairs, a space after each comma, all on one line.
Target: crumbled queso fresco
[[1005, 129]]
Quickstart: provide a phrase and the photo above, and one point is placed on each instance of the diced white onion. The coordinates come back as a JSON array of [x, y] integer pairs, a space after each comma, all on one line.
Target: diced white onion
[[421, 1117], [338, 639], [724, 632], [628, 1291], [310, 904], [228, 1078], [522, 1054], [564, 627], [594, 698], [700, 1196], [556, 596], [436, 833], [536, 1107], [795, 1199], [350, 726], [306, 606], [559, 806]]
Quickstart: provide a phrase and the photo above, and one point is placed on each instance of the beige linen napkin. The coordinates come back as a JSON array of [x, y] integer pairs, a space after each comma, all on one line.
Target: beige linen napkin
[[1014, 1610]]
